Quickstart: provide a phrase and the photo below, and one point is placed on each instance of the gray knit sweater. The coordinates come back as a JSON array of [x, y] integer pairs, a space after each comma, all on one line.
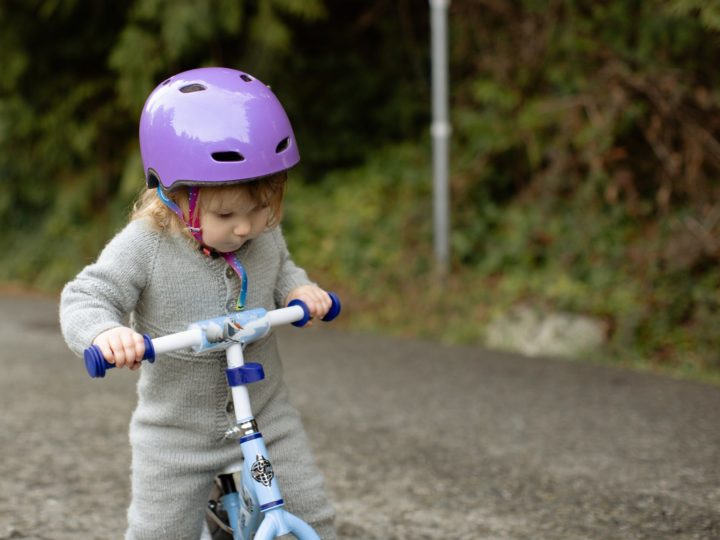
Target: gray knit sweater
[[159, 283]]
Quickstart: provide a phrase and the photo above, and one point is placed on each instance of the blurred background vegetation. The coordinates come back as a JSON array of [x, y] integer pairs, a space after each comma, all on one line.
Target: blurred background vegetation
[[585, 153]]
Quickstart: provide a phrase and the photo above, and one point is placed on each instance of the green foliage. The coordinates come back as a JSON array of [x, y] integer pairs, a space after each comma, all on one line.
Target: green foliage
[[359, 79], [585, 179], [585, 152], [163, 37], [587, 136], [366, 224], [707, 12], [76, 77]]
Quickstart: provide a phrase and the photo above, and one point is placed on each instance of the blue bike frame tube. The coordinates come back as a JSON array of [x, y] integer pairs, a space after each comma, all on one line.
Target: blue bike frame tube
[[231, 504], [260, 471], [279, 522]]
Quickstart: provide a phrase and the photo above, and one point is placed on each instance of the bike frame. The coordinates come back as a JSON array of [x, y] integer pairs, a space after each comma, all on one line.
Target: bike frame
[[259, 509]]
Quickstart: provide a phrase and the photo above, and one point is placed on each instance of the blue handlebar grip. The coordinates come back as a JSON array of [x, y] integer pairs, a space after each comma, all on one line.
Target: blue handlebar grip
[[332, 313], [96, 364], [306, 317], [335, 309]]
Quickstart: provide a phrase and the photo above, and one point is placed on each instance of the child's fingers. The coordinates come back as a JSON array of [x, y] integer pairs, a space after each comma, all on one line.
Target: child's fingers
[[139, 345], [106, 350], [118, 349], [319, 303], [326, 303], [133, 347], [121, 346], [323, 303], [317, 300]]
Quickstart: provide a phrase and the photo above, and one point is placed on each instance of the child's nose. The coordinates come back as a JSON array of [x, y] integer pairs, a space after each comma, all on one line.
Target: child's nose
[[242, 227]]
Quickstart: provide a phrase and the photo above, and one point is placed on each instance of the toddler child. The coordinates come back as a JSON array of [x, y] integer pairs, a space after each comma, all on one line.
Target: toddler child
[[203, 240]]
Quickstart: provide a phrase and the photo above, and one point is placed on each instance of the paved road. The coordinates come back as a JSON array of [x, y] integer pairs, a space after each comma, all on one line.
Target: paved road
[[418, 441]]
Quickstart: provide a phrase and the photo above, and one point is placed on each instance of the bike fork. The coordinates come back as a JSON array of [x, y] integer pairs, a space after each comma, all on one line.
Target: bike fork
[[261, 502], [247, 506]]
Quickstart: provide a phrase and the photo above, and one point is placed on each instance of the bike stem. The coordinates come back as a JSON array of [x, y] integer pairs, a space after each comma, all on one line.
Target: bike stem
[[257, 463], [240, 394]]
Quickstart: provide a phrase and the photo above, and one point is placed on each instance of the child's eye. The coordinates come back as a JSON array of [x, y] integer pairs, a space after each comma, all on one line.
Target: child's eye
[[224, 215]]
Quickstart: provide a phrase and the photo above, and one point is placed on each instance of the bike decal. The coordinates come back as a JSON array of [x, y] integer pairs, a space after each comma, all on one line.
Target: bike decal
[[262, 471], [231, 327], [247, 501]]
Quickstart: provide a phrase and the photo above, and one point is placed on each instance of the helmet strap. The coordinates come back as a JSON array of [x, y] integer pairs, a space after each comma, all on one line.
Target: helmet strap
[[234, 263], [192, 222]]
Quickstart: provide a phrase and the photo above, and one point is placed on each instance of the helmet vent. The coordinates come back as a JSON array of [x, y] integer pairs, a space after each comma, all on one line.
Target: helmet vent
[[282, 145], [228, 156], [152, 179], [195, 87], [246, 78]]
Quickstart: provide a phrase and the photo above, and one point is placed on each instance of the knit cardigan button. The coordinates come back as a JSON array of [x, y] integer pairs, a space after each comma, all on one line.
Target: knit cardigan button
[[229, 272]]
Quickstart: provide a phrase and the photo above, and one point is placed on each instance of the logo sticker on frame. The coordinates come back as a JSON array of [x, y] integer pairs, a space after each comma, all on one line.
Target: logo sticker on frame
[[262, 471]]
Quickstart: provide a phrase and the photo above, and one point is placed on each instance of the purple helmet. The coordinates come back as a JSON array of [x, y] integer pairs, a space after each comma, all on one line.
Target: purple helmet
[[214, 126]]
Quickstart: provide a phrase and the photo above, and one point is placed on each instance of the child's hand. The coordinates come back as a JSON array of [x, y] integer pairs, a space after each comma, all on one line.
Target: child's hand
[[317, 300], [121, 346]]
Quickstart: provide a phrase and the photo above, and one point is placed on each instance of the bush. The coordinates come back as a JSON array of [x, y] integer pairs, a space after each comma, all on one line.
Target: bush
[[585, 152]]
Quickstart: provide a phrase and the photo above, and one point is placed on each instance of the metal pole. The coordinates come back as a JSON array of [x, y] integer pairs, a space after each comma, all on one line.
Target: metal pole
[[440, 131]]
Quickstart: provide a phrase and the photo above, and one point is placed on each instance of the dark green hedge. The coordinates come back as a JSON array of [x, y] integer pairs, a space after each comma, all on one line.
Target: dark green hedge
[[585, 150]]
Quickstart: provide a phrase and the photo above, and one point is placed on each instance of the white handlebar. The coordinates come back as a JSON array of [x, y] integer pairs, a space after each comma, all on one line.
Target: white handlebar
[[219, 333]]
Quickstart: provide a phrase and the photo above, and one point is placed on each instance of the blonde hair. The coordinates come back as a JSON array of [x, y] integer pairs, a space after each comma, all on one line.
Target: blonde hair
[[266, 191]]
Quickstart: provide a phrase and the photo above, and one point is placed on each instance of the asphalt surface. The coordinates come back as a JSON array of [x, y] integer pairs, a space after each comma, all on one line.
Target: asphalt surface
[[417, 440]]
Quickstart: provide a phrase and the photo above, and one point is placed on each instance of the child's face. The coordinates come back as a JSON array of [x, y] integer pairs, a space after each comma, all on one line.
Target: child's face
[[230, 220]]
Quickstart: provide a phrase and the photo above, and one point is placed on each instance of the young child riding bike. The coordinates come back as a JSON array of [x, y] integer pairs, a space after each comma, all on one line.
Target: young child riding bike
[[203, 240]]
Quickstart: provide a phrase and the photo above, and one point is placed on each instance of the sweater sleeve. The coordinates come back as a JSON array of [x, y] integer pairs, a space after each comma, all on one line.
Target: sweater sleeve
[[103, 294], [290, 275]]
